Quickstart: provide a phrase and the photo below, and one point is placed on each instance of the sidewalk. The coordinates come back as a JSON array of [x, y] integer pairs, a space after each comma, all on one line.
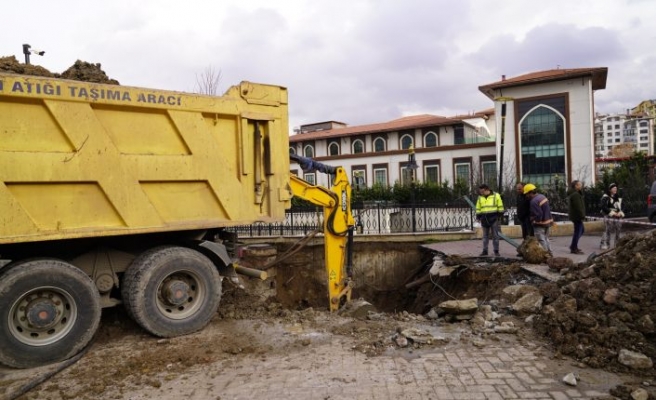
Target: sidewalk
[[559, 246]]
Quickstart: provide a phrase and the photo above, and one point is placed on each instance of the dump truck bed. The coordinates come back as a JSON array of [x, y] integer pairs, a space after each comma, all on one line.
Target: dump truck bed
[[86, 160]]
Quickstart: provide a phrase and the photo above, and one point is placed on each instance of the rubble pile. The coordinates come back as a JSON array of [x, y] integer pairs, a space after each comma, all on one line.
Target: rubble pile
[[80, 71], [604, 311]]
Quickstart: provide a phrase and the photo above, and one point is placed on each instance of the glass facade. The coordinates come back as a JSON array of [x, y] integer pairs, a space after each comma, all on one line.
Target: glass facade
[[542, 133]]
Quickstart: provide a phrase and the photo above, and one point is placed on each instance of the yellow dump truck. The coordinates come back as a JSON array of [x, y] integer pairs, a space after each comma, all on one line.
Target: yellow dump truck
[[122, 195]]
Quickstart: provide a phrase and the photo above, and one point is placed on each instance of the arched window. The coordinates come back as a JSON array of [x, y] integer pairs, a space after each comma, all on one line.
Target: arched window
[[292, 150], [379, 145], [542, 133], [430, 139], [308, 151], [333, 149], [358, 146], [406, 142]]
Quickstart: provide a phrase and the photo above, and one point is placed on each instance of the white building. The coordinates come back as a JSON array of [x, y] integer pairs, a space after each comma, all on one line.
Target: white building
[[446, 149], [546, 131], [549, 128]]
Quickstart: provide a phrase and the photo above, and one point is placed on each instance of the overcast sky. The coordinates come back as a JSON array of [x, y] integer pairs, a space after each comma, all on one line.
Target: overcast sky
[[354, 61]]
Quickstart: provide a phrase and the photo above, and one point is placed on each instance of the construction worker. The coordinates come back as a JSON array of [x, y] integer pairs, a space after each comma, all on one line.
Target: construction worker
[[489, 210], [540, 216]]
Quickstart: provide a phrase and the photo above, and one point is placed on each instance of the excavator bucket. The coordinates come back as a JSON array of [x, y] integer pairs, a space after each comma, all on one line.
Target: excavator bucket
[[359, 309]]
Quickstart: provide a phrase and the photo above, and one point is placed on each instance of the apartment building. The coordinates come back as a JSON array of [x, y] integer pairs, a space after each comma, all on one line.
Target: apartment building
[[619, 135]]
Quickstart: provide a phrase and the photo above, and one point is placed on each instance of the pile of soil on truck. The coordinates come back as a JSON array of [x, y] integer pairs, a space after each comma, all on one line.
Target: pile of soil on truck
[[80, 71]]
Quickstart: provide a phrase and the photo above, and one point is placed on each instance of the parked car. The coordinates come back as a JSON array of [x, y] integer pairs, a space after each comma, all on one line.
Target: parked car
[[651, 204]]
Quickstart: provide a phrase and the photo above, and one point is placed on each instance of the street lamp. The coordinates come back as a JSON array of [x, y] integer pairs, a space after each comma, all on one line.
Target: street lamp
[[27, 50], [412, 166]]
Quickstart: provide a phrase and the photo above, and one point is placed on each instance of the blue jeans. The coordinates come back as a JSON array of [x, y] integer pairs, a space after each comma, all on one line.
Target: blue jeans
[[494, 232], [578, 232]]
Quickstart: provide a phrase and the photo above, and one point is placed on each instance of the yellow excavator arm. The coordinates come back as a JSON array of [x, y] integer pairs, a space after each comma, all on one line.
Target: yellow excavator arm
[[338, 225]]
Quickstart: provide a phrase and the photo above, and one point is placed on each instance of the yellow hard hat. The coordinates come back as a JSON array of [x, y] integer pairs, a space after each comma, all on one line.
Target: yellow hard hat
[[529, 187]]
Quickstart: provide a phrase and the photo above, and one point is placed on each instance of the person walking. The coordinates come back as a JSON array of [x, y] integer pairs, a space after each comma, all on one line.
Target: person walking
[[576, 214], [611, 207], [524, 211], [489, 209], [540, 216]]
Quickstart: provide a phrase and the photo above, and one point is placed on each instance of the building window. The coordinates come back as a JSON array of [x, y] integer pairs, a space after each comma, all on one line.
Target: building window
[[610, 140], [542, 133], [379, 145], [333, 149], [406, 142], [430, 139], [609, 127], [463, 174], [308, 151], [380, 175], [358, 146], [617, 126], [432, 174], [617, 140], [489, 173], [292, 150], [310, 178], [458, 134], [407, 174], [359, 177]]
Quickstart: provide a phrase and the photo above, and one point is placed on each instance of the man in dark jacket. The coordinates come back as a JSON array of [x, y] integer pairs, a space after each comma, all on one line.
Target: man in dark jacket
[[576, 214], [523, 211]]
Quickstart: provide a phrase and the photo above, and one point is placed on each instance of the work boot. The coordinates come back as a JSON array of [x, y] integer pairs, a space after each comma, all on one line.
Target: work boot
[[483, 254], [604, 246], [496, 254]]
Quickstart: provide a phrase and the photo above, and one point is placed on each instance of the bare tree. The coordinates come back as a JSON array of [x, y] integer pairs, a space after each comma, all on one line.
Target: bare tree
[[208, 81]]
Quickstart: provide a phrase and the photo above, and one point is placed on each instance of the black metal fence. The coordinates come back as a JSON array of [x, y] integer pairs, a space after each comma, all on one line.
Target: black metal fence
[[384, 218], [372, 218]]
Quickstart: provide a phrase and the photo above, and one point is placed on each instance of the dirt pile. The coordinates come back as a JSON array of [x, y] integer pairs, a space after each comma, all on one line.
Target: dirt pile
[[80, 71], [605, 306]]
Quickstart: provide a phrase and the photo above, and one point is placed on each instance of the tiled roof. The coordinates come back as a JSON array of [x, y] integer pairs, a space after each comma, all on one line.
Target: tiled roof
[[598, 76], [411, 122]]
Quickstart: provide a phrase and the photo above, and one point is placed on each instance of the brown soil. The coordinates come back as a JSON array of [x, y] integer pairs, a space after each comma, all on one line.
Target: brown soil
[[80, 71], [595, 329]]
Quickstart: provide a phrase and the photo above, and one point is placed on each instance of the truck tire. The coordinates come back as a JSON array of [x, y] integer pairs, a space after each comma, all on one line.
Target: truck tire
[[50, 312], [171, 291]]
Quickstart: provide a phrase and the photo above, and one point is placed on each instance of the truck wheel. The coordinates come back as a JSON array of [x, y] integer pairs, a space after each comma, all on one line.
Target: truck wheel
[[50, 312], [171, 291]]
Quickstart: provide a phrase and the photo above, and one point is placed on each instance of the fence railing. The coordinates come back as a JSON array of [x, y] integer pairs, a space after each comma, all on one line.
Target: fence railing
[[374, 218], [384, 218]]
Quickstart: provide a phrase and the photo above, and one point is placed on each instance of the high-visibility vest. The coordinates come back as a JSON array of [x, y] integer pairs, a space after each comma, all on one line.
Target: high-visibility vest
[[489, 204]]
